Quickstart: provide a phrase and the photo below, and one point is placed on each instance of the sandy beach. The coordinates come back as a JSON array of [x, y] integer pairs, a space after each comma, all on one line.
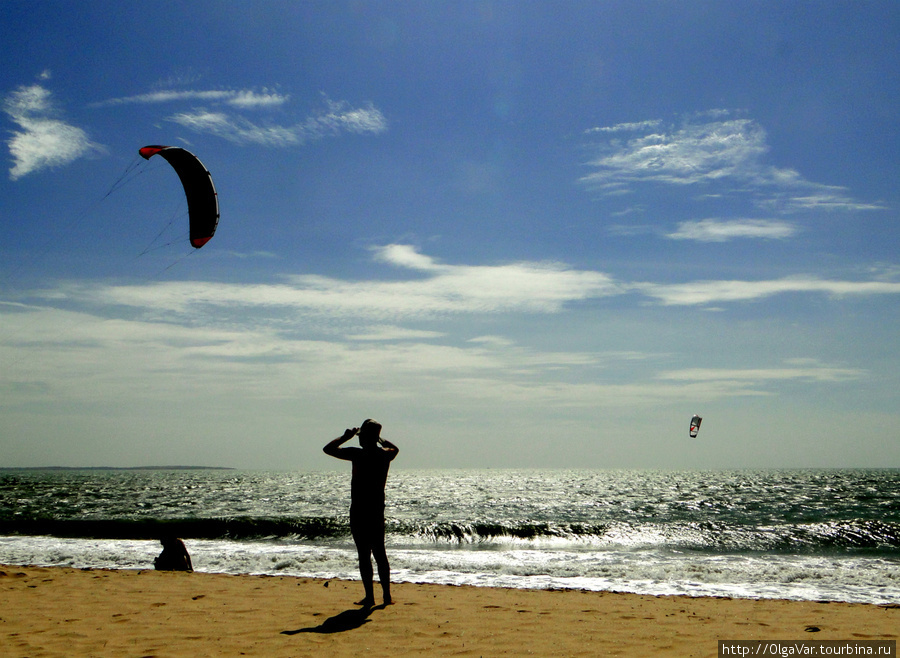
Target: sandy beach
[[72, 612]]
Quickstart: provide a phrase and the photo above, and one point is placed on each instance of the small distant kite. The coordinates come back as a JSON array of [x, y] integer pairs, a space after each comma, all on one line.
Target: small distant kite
[[202, 200], [695, 425]]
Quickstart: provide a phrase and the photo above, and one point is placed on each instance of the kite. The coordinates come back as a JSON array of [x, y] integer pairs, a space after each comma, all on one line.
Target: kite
[[695, 425], [202, 200]]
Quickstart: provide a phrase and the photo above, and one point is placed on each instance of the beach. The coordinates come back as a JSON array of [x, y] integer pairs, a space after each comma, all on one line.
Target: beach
[[58, 611]]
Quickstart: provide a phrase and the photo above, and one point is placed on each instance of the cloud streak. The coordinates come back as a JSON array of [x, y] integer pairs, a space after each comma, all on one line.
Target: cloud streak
[[186, 336], [626, 127], [711, 148], [429, 289], [338, 118], [43, 140], [160, 360], [716, 230], [709, 292], [525, 287], [813, 373], [240, 98], [692, 154], [225, 114]]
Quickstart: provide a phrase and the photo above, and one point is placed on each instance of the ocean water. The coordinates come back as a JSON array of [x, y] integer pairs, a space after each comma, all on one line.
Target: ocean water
[[790, 534]]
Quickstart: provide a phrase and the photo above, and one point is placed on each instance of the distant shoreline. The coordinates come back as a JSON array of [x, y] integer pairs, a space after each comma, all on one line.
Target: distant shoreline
[[116, 468]]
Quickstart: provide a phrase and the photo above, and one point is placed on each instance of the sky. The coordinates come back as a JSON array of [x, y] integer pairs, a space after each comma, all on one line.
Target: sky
[[518, 234]]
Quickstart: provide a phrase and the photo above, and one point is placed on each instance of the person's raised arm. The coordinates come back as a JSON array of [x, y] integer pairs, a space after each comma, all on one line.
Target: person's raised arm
[[389, 447], [334, 449]]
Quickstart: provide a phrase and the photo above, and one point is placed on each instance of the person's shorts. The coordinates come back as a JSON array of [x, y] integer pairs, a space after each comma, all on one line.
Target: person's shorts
[[367, 523]]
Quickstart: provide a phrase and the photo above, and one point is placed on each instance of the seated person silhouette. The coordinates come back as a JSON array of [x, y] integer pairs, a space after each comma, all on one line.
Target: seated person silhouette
[[174, 556]]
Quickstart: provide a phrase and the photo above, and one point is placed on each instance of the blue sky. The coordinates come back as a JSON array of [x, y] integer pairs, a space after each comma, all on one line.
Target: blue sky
[[519, 234]]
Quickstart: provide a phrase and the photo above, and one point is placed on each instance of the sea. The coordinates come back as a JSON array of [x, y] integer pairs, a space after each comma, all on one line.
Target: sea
[[823, 535]]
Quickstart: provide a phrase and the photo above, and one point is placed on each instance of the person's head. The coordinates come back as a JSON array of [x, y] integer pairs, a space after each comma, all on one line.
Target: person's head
[[369, 433], [170, 541]]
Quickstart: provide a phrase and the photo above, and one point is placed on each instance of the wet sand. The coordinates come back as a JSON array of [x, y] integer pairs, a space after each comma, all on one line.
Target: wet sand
[[73, 612]]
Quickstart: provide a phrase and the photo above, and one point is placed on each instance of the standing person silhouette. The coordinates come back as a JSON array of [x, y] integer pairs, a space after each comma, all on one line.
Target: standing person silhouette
[[371, 462]]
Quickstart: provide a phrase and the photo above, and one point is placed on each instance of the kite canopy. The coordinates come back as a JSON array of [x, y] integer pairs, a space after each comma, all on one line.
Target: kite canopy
[[202, 200], [695, 425]]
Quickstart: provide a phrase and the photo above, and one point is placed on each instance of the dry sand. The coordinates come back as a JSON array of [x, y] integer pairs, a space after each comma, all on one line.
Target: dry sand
[[72, 612]]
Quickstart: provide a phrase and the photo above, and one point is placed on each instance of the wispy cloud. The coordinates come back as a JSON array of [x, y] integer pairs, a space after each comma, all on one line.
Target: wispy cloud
[[708, 148], [226, 113], [811, 372], [433, 289], [626, 127], [164, 361], [710, 292], [338, 117], [404, 255], [338, 331], [241, 98], [830, 198], [527, 287], [685, 156], [381, 332], [44, 140], [717, 230]]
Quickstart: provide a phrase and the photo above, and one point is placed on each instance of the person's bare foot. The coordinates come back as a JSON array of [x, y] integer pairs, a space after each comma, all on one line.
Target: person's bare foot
[[366, 603], [388, 600]]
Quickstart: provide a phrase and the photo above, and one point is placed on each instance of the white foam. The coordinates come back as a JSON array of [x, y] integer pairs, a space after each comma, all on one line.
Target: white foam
[[853, 579]]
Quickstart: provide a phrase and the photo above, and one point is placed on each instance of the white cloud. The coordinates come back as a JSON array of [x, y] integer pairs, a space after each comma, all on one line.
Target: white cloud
[[528, 287], [709, 148], [44, 141], [823, 200], [716, 230], [380, 332], [266, 341], [884, 271], [106, 363], [237, 129], [115, 359], [709, 292], [812, 372], [626, 127], [337, 119], [225, 116], [404, 255], [434, 289], [496, 341], [243, 255], [692, 154], [341, 117], [241, 98]]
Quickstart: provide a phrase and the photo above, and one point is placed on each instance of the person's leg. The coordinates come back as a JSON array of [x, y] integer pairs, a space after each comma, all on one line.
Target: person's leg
[[364, 551], [365, 572], [384, 569], [380, 555]]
